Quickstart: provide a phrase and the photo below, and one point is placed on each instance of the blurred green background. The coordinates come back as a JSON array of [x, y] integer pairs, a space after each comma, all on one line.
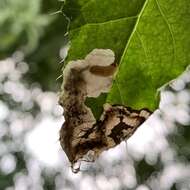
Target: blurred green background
[[35, 29], [33, 45]]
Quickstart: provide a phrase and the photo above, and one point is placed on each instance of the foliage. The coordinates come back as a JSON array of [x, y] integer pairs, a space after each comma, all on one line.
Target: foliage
[[30, 26], [21, 21], [150, 39], [42, 59]]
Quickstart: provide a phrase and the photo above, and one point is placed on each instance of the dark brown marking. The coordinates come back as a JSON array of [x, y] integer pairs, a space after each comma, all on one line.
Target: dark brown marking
[[104, 71]]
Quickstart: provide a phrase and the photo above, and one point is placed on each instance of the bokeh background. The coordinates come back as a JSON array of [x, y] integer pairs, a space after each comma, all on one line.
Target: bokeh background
[[33, 45]]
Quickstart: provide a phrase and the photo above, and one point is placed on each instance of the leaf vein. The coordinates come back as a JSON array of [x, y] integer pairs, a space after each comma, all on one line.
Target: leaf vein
[[143, 46], [169, 28], [128, 42], [106, 22]]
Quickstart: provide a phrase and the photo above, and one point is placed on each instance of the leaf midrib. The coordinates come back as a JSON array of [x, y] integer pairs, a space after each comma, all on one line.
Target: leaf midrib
[[127, 45]]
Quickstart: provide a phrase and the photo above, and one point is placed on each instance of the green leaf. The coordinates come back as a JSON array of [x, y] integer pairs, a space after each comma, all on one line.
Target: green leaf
[[96, 104], [150, 38]]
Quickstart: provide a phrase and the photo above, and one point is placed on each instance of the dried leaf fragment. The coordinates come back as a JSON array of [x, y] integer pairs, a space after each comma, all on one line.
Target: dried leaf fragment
[[81, 136]]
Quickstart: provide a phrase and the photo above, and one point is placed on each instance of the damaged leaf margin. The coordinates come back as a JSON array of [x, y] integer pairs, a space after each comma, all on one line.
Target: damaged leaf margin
[[150, 39], [82, 137]]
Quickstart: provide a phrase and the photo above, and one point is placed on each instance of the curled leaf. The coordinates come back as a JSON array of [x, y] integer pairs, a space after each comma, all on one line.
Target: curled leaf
[[82, 136]]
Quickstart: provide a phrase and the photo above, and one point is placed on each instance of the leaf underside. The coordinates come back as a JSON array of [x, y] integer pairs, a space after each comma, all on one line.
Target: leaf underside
[[150, 39]]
